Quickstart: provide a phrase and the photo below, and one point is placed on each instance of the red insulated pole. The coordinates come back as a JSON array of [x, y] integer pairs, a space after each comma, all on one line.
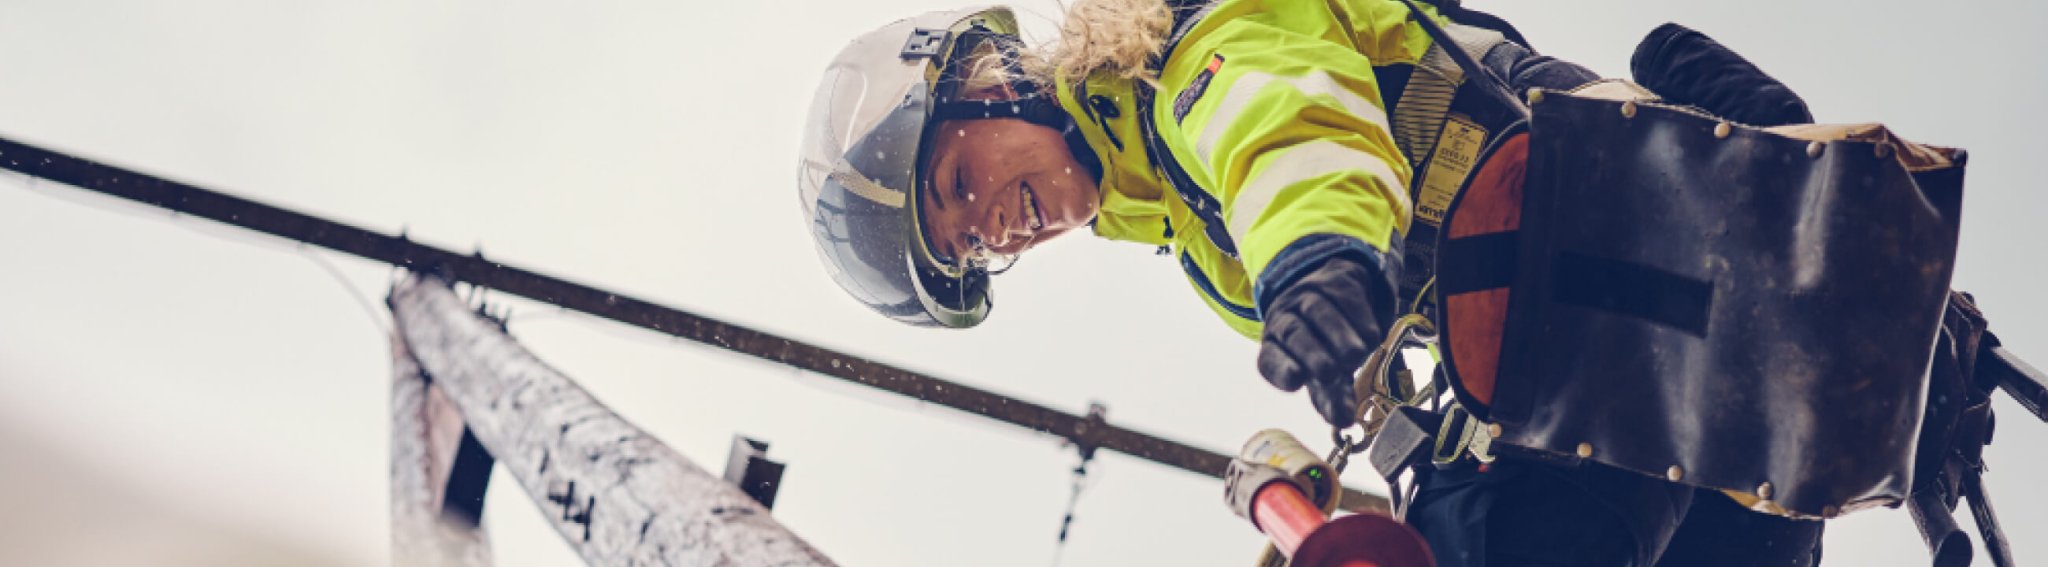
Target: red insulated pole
[[1297, 527], [1289, 518], [1286, 515]]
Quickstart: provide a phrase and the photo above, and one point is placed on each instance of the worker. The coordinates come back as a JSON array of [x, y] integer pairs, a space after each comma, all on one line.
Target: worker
[[1296, 156]]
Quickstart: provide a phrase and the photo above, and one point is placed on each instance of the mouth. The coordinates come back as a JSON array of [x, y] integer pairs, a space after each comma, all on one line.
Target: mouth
[[1033, 214]]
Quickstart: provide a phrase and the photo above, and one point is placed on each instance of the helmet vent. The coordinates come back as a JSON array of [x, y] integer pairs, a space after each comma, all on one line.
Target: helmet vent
[[925, 42]]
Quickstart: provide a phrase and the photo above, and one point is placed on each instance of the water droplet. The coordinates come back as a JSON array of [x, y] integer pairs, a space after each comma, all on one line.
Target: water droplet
[[835, 363], [970, 197], [881, 155], [1015, 108], [1070, 171], [963, 132]]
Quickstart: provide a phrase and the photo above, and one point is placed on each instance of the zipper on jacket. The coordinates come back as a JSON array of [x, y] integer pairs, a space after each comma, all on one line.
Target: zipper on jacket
[[1187, 264]]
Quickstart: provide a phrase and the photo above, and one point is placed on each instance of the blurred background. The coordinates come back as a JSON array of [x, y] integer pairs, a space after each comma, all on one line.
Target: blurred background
[[177, 392]]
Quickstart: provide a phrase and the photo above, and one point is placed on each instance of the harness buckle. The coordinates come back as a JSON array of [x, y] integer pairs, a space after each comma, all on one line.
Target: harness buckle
[[1461, 434]]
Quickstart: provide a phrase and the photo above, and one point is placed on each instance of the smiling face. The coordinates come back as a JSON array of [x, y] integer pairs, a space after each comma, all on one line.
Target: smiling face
[[1001, 184]]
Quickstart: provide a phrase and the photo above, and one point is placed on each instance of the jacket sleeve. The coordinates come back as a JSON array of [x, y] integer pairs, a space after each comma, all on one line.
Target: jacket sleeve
[[1289, 135]]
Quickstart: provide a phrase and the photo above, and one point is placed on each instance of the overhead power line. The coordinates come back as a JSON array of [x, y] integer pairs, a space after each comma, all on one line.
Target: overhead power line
[[1085, 432]]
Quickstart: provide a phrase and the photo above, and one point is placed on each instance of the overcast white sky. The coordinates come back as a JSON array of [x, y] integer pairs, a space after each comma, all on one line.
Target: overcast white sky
[[649, 147]]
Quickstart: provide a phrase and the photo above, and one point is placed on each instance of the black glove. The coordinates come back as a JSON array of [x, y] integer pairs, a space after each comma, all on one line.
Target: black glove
[[1687, 67], [1319, 330]]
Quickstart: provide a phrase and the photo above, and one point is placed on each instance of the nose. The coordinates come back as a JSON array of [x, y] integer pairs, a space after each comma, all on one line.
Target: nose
[[1011, 238], [1001, 227]]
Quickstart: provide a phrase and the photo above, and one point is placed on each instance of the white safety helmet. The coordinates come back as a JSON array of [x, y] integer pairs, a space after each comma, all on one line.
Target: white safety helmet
[[857, 173]]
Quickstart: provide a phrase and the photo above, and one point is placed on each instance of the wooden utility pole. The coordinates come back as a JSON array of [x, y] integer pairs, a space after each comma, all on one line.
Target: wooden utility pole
[[438, 475], [618, 495]]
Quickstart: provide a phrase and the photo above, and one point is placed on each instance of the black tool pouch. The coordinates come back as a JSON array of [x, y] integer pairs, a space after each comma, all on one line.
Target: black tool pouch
[[1734, 308], [1723, 306], [1654, 288]]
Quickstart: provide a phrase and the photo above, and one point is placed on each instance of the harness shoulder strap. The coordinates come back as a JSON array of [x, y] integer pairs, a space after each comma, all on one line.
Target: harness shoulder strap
[[1421, 121], [1492, 85], [1426, 100]]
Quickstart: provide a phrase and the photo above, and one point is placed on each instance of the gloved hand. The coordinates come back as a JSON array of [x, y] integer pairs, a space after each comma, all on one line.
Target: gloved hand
[[1319, 330]]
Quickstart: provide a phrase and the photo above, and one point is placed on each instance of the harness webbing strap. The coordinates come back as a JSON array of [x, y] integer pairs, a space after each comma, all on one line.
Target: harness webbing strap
[[1419, 120], [1419, 115], [1494, 255], [1491, 85], [1426, 101]]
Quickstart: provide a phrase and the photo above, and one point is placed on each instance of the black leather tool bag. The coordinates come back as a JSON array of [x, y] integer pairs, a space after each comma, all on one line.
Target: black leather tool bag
[[1735, 308]]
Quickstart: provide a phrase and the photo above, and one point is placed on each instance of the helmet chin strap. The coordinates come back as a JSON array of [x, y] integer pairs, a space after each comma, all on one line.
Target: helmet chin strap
[[1036, 108]]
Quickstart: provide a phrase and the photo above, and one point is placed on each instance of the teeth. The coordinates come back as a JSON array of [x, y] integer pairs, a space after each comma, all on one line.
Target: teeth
[[1031, 210]]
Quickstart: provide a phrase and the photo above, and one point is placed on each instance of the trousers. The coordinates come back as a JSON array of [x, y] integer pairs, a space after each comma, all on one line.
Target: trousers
[[1521, 513]]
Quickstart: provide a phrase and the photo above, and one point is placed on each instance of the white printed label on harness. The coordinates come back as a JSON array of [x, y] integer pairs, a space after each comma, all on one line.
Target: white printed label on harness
[[1457, 148]]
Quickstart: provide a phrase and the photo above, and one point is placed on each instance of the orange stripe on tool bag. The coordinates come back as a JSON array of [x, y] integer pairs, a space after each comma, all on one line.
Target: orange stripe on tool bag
[[1475, 264]]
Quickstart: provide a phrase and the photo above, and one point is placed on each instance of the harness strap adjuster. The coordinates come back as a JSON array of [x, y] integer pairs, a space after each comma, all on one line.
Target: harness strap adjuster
[[1460, 435]]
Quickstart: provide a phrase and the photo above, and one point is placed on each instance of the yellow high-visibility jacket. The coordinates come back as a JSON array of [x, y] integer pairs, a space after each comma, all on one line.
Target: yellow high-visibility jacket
[[1274, 111]]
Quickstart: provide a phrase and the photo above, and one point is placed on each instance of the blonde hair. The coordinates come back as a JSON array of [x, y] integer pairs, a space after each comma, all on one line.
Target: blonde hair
[[1116, 38]]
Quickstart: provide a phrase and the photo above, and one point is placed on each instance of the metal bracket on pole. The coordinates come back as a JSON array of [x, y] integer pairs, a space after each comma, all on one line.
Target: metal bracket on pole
[[748, 467], [438, 475]]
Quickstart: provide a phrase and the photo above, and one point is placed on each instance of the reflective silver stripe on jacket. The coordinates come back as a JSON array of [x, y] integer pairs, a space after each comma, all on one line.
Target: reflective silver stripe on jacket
[[1248, 86], [1301, 163]]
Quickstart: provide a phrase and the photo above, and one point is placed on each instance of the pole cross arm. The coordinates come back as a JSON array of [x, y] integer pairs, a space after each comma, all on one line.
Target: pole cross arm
[[475, 270]]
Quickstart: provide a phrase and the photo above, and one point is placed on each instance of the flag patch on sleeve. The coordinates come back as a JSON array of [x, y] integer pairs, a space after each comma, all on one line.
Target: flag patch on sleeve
[[1188, 96]]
